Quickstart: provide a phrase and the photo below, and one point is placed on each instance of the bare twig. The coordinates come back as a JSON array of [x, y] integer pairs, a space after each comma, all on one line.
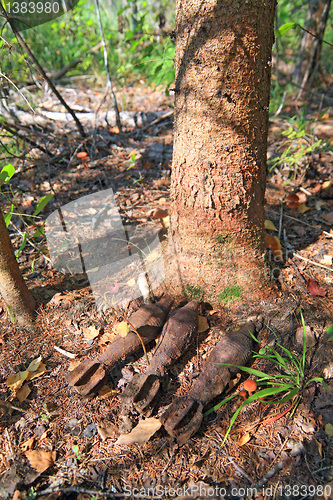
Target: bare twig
[[158, 120], [64, 353], [313, 262]]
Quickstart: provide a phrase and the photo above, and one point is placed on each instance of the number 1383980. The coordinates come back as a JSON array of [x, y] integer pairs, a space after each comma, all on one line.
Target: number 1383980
[[32, 7]]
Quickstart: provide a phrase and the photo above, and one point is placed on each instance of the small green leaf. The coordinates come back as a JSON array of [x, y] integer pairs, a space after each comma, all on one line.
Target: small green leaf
[[7, 173], [8, 216], [23, 244], [284, 29], [329, 330], [42, 203]]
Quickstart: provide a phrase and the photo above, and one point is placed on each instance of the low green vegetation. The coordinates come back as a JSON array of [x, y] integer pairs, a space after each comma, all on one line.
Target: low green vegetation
[[194, 293], [287, 383], [231, 293]]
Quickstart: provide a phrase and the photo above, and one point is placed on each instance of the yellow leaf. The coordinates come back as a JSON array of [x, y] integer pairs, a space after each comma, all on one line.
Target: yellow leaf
[[23, 393], [122, 329], [106, 392], [302, 208], [154, 255], [90, 332], [34, 364], [203, 324], [270, 225], [141, 433], [40, 459], [245, 438], [41, 369], [15, 381], [131, 282], [329, 429], [326, 184]]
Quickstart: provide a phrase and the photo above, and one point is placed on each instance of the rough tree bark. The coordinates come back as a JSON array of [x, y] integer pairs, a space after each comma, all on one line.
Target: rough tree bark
[[223, 69], [19, 301]]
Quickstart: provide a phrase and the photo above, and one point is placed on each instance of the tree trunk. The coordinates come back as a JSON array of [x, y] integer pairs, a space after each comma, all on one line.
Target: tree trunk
[[223, 68], [20, 303], [310, 49]]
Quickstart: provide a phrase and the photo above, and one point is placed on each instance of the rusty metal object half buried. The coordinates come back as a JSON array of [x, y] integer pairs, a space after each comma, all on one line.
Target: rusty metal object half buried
[[182, 419], [176, 338], [148, 321]]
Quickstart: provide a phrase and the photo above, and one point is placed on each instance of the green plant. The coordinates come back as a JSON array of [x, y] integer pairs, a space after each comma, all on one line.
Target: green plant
[[231, 293], [32, 494], [290, 381], [299, 146], [194, 293], [76, 451]]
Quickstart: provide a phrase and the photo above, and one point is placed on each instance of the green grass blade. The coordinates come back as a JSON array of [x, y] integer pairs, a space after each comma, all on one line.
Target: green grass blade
[[252, 371], [218, 405], [304, 344]]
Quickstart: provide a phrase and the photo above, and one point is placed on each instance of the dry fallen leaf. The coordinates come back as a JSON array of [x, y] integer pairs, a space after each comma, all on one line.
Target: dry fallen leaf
[[34, 364], [314, 289], [107, 430], [244, 438], [302, 208], [270, 225], [16, 381], [203, 324], [27, 445], [273, 243], [23, 393], [122, 329], [328, 217], [40, 370], [40, 459], [90, 332], [131, 282], [141, 433]]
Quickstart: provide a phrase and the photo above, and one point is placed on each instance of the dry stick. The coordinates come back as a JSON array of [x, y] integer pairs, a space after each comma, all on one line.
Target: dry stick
[[106, 65], [158, 120], [313, 263], [41, 71], [304, 223], [298, 448]]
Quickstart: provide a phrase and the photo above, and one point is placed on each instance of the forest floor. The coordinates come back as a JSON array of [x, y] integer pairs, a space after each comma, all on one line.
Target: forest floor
[[269, 453]]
